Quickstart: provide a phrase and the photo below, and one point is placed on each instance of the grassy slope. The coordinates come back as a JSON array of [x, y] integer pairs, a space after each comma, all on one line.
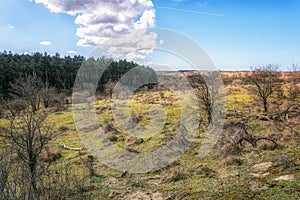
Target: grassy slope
[[190, 177]]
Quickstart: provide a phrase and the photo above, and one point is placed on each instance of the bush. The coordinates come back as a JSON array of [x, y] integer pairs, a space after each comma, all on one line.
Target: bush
[[176, 175], [59, 102], [51, 154], [16, 106], [232, 160], [80, 97], [228, 144]]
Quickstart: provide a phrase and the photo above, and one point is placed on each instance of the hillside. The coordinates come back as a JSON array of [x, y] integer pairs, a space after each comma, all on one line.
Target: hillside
[[232, 170]]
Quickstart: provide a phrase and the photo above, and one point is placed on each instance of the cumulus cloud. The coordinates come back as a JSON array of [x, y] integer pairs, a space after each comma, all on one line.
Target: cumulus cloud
[[45, 43], [109, 22], [136, 45], [72, 52]]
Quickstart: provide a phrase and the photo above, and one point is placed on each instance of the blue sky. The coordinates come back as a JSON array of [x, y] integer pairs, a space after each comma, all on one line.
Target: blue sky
[[236, 34]]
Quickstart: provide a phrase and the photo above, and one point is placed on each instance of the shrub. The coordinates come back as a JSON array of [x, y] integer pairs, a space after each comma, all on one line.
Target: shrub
[[16, 106], [80, 97], [204, 171], [232, 160], [228, 144], [176, 175], [51, 154], [58, 101]]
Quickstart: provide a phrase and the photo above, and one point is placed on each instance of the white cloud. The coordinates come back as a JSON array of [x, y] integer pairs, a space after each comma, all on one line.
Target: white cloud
[[202, 3], [26, 53], [8, 27], [71, 52], [135, 45], [45, 43], [147, 19], [103, 20]]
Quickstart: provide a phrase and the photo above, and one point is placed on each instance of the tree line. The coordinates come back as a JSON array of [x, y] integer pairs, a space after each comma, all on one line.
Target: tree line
[[60, 72]]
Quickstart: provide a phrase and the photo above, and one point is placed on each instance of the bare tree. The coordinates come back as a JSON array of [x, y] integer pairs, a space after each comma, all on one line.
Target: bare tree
[[266, 81], [24, 174], [28, 88], [210, 94], [206, 100], [288, 103], [33, 91], [5, 167], [293, 88], [47, 96], [28, 134], [109, 87]]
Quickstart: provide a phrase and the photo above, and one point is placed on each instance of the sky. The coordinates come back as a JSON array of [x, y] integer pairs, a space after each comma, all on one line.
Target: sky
[[235, 34]]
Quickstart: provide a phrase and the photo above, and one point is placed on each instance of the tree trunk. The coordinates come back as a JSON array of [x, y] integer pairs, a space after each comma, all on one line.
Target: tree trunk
[[33, 185], [265, 105], [209, 116]]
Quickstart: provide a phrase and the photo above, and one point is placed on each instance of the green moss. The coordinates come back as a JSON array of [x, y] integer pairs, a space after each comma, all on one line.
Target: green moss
[[238, 101], [288, 190]]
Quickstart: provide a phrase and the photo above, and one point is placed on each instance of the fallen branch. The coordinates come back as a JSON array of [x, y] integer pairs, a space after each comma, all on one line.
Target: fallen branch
[[269, 139], [70, 148], [253, 139]]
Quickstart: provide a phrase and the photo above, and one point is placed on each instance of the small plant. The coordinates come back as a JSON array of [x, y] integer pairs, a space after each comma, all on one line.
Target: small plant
[[90, 164], [137, 117], [176, 175], [63, 128]]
